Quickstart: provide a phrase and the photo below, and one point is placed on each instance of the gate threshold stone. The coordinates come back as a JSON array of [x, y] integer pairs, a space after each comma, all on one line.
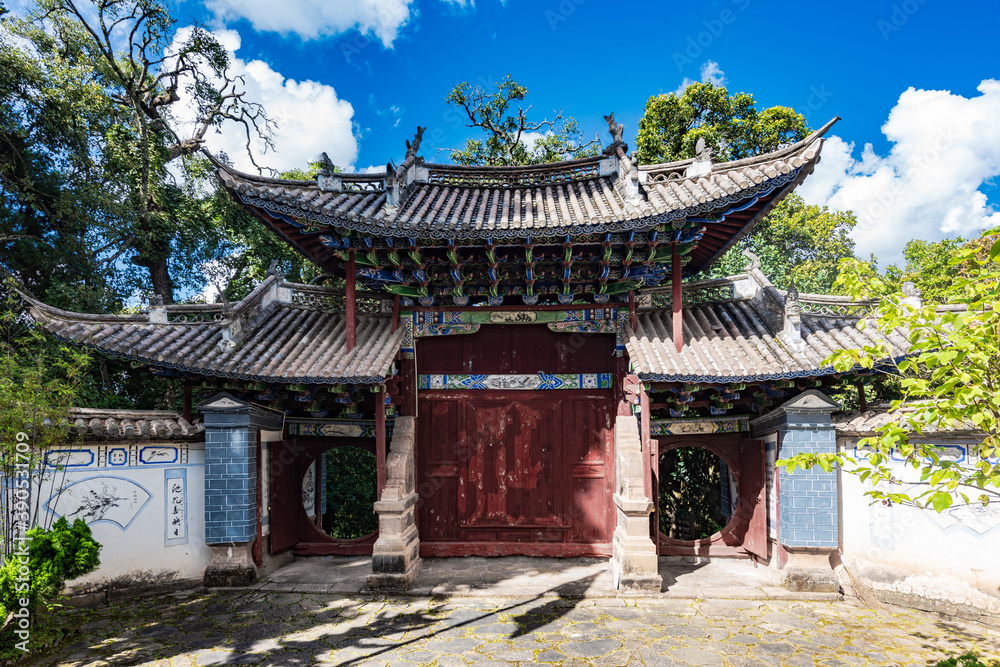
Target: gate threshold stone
[[523, 577]]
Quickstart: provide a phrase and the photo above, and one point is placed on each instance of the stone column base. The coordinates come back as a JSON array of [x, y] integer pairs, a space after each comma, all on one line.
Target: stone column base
[[395, 560], [811, 570], [634, 563], [232, 565], [396, 552]]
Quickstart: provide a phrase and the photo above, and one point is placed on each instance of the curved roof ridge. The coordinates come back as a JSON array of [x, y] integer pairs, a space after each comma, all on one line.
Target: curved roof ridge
[[258, 178], [755, 159], [544, 166]]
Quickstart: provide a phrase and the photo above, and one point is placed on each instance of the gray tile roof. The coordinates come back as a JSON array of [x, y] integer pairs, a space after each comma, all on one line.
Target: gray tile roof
[[574, 197], [279, 342], [742, 340], [92, 423], [855, 422]]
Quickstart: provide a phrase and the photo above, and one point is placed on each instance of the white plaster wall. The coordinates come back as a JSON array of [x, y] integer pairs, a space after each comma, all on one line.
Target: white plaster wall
[[143, 501], [954, 555]]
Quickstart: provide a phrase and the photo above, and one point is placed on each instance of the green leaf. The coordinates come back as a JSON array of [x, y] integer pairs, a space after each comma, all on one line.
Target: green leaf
[[941, 501]]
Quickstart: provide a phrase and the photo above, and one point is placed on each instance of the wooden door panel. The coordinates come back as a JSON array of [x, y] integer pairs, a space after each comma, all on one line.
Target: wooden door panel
[[537, 488], [286, 497], [752, 497], [591, 440], [438, 437], [483, 478]]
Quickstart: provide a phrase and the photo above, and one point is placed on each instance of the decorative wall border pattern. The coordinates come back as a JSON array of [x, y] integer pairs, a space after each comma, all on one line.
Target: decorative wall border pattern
[[528, 382], [699, 426], [335, 428], [420, 324]]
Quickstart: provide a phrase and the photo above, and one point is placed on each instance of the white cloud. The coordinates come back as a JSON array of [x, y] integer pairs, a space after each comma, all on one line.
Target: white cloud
[[310, 117], [945, 147], [529, 139], [312, 19], [710, 73]]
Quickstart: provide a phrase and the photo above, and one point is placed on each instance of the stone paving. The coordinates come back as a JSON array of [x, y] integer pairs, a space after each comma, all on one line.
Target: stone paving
[[260, 627], [519, 576]]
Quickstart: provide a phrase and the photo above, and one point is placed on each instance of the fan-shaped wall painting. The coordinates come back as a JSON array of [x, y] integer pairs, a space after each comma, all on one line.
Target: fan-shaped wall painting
[[113, 499]]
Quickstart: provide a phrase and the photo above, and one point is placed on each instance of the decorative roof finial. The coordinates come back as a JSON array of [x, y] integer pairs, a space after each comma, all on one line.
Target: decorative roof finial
[[911, 295], [328, 167], [702, 163], [792, 306], [616, 130], [276, 270], [411, 149], [754, 260], [702, 151]]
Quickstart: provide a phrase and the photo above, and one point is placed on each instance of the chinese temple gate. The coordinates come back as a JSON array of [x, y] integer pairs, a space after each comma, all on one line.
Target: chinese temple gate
[[516, 347]]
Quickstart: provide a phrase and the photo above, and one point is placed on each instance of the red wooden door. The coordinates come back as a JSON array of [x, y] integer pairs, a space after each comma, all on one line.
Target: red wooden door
[[752, 497], [505, 473], [509, 476], [286, 497]]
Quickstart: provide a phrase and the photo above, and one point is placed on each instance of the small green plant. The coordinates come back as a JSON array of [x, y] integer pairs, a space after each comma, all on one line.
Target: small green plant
[[64, 551], [967, 660]]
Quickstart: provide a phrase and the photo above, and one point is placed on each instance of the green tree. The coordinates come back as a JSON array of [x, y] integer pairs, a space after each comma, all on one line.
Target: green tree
[[731, 125], [507, 130], [930, 266], [950, 379], [131, 69], [796, 242]]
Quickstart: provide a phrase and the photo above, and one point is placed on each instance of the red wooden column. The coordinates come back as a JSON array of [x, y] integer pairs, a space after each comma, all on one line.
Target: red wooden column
[[380, 439], [677, 305], [186, 413], [623, 407], [395, 313], [351, 306]]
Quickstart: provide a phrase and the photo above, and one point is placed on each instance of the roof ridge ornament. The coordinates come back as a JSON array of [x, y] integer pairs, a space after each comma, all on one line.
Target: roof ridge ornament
[[327, 178], [628, 169], [411, 149], [791, 332], [618, 146], [412, 168], [702, 165]]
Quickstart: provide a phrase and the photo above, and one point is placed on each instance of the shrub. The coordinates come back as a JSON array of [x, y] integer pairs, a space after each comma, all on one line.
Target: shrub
[[64, 551]]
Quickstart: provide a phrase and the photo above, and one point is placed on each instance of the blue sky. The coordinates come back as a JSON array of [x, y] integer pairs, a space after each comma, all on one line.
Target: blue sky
[[851, 59], [916, 154]]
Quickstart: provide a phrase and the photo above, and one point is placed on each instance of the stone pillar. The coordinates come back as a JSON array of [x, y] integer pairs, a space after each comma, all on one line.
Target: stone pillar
[[808, 524], [396, 552], [231, 426], [634, 563]]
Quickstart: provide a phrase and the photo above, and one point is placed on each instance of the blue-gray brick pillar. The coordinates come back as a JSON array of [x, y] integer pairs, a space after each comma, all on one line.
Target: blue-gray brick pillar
[[808, 523], [231, 426]]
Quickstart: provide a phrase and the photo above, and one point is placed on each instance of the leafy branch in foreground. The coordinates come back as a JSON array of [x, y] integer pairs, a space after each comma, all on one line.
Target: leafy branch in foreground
[[950, 379]]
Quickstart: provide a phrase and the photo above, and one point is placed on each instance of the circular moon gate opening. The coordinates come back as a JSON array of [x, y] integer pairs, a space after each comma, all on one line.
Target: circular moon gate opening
[[697, 493], [350, 490]]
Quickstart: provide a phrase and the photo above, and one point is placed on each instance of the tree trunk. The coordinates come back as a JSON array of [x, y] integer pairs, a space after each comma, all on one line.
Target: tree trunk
[[159, 274]]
